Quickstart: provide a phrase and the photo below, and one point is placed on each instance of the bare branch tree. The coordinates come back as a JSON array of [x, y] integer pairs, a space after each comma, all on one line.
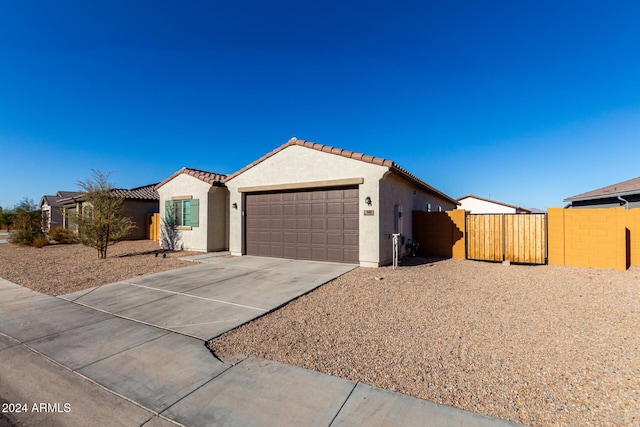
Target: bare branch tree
[[100, 221]]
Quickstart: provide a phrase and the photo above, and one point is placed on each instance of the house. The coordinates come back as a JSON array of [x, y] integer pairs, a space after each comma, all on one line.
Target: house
[[305, 200], [626, 193], [198, 202], [481, 205], [138, 203], [52, 212]]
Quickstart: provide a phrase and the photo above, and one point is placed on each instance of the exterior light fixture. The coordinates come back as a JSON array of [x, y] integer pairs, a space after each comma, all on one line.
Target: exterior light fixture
[[235, 205], [367, 200]]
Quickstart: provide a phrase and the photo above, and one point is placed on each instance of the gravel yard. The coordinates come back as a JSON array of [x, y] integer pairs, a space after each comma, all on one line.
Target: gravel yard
[[539, 345], [60, 269]]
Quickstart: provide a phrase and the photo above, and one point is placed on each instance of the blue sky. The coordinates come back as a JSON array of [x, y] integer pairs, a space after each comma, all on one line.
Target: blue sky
[[523, 102]]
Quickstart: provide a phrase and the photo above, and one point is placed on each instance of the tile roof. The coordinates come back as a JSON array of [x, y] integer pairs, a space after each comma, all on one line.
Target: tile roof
[[631, 186], [393, 167], [208, 177], [493, 201], [54, 200], [146, 192]]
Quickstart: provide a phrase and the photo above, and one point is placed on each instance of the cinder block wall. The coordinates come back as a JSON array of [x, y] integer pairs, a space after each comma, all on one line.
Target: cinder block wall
[[596, 238], [440, 233]]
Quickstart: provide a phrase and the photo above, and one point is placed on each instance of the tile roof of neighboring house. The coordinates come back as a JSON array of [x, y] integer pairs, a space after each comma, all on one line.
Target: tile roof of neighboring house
[[208, 177], [54, 200], [631, 186], [146, 192], [393, 167], [493, 201]]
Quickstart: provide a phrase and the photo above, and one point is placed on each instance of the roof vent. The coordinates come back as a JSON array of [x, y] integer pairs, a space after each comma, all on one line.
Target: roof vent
[[293, 138]]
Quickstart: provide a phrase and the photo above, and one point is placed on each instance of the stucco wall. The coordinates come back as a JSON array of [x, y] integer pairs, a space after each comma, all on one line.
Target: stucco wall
[[294, 165], [476, 206], [408, 197], [196, 238], [137, 211]]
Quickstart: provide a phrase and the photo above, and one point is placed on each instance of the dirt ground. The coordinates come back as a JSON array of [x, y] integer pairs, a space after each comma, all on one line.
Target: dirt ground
[[61, 269], [539, 345]]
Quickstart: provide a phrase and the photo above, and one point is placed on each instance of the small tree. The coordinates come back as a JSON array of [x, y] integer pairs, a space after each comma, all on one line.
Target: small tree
[[27, 222], [170, 235], [7, 216], [100, 221]]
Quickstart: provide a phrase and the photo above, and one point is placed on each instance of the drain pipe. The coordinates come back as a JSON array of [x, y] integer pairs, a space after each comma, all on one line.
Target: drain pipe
[[626, 202]]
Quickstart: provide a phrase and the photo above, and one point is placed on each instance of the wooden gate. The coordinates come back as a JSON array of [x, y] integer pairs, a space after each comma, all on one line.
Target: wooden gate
[[520, 238]]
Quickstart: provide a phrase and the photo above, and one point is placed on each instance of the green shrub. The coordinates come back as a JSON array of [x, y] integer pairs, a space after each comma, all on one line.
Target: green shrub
[[63, 235], [27, 223]]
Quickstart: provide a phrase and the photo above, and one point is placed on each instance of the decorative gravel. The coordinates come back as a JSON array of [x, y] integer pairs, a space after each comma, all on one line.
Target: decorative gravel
[[538, 345], [60, 269]]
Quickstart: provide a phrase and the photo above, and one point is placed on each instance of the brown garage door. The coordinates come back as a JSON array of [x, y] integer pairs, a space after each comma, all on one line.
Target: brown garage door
[[319, 225]]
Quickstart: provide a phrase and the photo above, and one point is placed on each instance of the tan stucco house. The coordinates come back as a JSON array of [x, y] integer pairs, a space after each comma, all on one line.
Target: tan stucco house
[[198, 201], [301, 201], [306, 200]]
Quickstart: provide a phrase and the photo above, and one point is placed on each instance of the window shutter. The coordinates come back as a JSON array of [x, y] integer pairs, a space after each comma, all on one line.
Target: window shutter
[[195, 213]]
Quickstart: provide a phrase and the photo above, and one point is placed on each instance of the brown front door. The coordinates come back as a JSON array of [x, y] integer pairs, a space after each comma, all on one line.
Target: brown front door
[[320, 225]]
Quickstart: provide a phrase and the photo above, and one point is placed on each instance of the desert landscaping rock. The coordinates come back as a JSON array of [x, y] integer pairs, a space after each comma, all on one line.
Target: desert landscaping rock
[[538, 345], [61, 269]]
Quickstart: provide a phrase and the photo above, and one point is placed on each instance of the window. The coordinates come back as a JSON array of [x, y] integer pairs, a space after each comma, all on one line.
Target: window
[[183, 211]]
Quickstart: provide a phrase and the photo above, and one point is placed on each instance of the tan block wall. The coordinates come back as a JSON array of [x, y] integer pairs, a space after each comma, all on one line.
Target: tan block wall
[[594, 238], [440, 233]]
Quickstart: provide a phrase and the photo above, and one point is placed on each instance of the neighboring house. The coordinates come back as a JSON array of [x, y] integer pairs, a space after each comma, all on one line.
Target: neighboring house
[[52, 212], [310, 201], [137, 204], [626, 193], [198, 201], [480, 205]]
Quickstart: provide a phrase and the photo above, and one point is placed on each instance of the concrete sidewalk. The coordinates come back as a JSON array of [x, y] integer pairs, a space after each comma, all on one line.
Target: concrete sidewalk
[[114, 371]]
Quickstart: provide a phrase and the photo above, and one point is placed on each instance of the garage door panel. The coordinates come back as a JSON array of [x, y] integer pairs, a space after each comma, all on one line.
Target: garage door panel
[[318, 209], [335, 224], [303, 209], [350, 208], [289, 251], [275, 209], [335, 239], [350, 255], [350, 224], [334, 208], [350, 239], [302, 196], [303, 252], [319, 223], [319, 252], [309, 224], [318, 239]]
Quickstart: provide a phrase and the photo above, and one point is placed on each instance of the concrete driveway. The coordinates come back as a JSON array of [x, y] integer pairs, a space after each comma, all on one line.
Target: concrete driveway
[[208, 299]]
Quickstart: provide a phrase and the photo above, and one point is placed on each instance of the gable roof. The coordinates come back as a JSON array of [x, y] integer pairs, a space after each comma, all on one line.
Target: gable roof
[[54, 200], [393, 167], [205, 176], [493, 201], [631, 186]]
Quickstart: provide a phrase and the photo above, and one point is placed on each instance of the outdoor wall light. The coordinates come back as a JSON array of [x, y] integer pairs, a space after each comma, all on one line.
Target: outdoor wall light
[[367, 200], [235, 205]]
